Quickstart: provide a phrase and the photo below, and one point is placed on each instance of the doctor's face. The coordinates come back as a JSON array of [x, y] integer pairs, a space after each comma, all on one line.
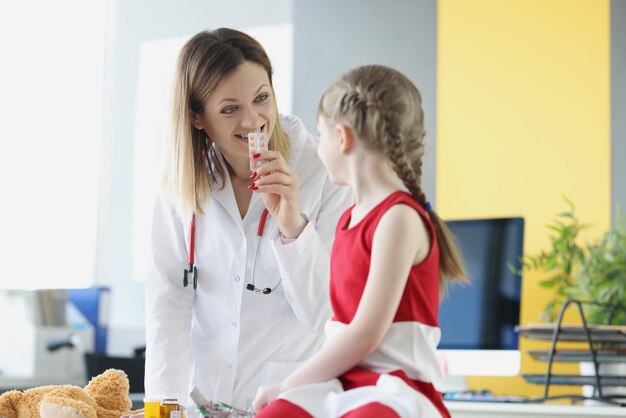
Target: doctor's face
[[242, 102]]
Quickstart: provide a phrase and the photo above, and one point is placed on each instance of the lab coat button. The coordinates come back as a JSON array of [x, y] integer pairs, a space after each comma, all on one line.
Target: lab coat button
[[229, 366], [236, 278], [234, 324]]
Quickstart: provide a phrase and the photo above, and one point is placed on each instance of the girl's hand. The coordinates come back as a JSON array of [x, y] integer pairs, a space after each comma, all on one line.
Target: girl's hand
[[280, 189], [265, 395]]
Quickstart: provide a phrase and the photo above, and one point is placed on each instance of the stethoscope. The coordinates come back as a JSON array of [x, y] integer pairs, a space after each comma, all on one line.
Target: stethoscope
[[192, 270]]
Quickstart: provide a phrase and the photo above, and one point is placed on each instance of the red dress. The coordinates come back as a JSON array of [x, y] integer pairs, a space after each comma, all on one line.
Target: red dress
[[417, 313], [403, 372]]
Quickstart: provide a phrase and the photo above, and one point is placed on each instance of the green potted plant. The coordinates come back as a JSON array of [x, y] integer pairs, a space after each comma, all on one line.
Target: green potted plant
[[601, 277], [594, 273]]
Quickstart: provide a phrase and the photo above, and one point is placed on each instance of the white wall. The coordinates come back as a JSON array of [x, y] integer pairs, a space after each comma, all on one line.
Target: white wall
[[333, 36]]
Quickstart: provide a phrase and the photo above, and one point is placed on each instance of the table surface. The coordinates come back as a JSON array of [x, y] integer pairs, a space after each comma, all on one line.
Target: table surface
[[460, 409]]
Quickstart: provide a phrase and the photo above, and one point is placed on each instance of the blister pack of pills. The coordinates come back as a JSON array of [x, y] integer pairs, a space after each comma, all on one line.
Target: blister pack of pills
[[212, 409], [222, 410], [257, 142]]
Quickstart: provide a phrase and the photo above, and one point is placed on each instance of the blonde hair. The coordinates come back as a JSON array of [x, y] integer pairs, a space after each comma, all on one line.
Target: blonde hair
[[384, 109], [192, 167]]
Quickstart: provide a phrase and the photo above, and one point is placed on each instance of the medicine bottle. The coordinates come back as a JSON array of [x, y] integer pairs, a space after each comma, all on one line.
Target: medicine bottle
[[170, 408]]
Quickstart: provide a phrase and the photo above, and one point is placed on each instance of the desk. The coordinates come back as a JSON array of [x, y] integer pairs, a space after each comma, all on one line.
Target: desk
[[514, 410]]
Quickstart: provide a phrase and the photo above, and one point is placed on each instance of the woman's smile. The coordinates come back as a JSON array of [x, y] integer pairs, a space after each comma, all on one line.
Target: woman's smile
[[243, 137]]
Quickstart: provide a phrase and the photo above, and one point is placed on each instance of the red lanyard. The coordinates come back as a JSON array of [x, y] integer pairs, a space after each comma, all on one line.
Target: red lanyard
[[259, 231], [192, 239]]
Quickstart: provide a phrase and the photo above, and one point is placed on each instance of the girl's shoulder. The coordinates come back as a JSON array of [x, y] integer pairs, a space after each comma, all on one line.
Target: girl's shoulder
[[399, 197], [401, 200]]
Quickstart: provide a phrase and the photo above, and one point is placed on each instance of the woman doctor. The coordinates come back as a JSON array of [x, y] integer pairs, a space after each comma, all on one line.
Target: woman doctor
[[244, 316]]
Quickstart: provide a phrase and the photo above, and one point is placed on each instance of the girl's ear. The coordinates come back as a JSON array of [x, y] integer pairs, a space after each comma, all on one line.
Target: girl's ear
[[346, 139], [196, 121]]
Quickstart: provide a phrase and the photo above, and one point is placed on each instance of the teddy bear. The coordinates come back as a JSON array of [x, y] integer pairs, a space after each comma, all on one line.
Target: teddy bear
[[105, 396]]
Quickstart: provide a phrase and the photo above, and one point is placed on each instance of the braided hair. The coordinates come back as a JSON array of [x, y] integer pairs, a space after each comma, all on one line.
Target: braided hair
[[384, 109]]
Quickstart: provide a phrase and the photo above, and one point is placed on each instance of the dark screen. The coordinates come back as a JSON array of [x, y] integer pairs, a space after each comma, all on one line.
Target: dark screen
[[483, 314]]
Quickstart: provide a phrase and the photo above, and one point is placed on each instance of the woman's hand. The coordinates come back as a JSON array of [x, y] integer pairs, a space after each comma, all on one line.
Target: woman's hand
[[280, 189], [265, 395]]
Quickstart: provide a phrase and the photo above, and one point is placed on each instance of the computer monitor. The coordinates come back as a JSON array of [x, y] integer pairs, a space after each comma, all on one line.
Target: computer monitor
[[477, 320]]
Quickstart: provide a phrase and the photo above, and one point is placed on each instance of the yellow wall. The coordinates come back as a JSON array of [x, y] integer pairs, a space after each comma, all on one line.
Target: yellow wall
[[523, 118]]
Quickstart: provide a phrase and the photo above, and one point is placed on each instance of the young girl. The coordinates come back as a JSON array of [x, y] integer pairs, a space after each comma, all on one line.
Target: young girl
[[389, 261]]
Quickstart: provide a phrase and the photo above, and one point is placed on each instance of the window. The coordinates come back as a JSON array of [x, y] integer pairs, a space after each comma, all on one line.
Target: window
[[50, 131]]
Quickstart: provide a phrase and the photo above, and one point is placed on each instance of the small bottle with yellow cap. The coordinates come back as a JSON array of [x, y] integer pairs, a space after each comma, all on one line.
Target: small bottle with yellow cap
[[170, 408]]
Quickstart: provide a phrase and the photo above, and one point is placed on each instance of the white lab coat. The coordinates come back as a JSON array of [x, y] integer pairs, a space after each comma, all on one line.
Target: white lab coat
[[222, 338]]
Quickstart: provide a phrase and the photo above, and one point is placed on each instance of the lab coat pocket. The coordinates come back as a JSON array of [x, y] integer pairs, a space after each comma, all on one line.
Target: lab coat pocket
[[275, 372]]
